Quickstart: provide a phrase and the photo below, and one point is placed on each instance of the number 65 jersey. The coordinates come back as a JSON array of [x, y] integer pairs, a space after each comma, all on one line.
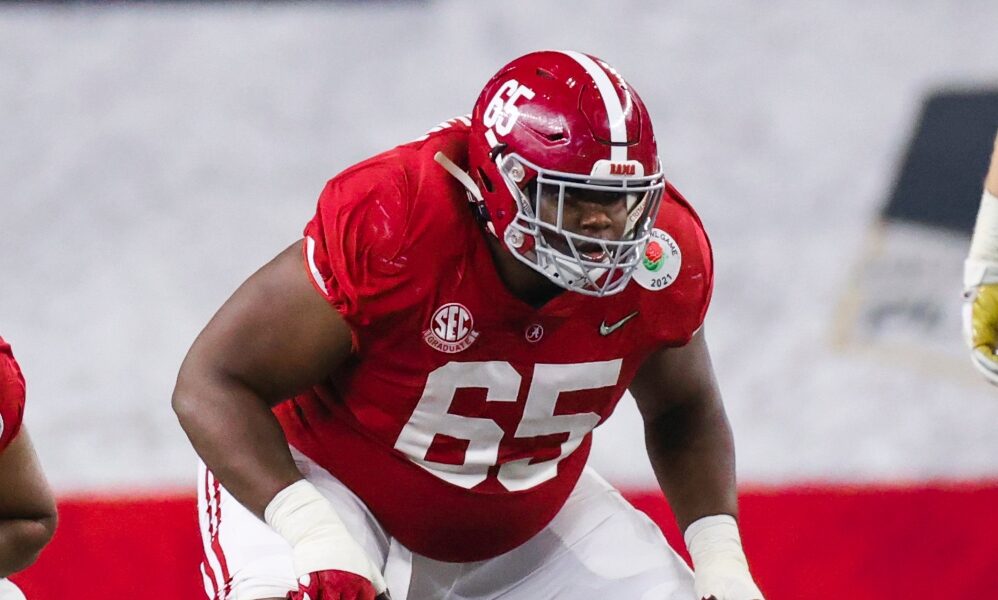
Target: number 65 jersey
[[464, 417]]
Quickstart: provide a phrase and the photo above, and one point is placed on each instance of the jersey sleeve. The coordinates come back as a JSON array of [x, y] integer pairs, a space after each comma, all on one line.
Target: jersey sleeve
[[690, 296], [11, 396], [354, 245], [703, 264]]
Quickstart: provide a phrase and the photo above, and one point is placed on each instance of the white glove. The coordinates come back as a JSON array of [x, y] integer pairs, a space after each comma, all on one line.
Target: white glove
[[9, 591], [319, 539], [719, 566]]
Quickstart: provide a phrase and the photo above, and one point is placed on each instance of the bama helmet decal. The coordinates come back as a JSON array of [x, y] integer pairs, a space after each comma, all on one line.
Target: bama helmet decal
[[660, 262]]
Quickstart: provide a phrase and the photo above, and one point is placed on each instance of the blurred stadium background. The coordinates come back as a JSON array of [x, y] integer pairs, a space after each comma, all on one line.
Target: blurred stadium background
[[153, 155]]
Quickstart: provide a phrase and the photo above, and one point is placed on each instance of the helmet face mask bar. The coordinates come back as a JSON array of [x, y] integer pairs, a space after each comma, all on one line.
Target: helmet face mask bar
[[566, 257]]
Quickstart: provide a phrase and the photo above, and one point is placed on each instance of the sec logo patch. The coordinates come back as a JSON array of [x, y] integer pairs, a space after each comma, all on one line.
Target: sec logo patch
[[452, 328], [660, 262]]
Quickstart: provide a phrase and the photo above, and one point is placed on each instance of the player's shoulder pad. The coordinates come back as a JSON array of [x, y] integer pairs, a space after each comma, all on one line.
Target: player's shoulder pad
[[675, 278], [381, 226], [677, 222], [363, 213], [451, 131], [400, 203]]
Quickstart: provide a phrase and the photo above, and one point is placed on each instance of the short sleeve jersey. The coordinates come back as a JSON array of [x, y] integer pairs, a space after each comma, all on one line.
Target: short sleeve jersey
[[464, 418], [11, 396]]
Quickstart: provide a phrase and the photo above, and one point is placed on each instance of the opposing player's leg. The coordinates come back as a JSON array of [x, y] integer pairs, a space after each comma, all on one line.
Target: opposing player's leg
[[597, 547], [244, 559]]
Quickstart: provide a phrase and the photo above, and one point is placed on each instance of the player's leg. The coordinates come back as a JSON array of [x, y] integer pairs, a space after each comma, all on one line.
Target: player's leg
[[615, 550], [244, 559], [597, 547]]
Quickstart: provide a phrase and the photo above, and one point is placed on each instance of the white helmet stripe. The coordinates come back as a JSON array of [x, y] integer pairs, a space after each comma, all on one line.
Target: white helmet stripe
[[614, 110]]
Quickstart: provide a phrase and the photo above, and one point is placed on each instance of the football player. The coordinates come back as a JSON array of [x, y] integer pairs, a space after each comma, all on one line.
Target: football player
[[980, 280], [462, 312], [27, 508]]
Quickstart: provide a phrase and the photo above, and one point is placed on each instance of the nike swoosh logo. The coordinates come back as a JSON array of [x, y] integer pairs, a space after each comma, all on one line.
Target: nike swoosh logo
[[605, 329]]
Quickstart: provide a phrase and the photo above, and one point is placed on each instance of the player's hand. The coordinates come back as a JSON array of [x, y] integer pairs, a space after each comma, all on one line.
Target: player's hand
[[335, 585], [731, 582], [720, 570], [980, 318], [329, 563]]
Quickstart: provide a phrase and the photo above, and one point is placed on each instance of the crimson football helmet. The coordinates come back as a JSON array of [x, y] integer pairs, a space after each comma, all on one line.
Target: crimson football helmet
[[551, 123]]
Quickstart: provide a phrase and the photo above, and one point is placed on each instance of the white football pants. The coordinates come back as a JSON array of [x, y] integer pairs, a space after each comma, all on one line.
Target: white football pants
[[9, 591], [597, 547]]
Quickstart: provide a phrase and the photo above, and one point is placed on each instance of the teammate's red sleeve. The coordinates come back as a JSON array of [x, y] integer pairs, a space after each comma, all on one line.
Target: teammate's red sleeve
[[354, 244], [11, 396]]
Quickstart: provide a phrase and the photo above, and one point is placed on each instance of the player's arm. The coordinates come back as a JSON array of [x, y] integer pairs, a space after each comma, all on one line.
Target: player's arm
[[981, 279], [27, 507], [274, 337], [991, 180], [691, 449]]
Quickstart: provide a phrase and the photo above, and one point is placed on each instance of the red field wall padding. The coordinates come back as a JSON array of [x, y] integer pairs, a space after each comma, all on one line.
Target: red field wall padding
[[814, 543], [123, 547]]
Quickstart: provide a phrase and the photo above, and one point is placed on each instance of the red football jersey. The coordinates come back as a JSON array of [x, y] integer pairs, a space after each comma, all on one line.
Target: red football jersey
[[11, 395], [464, 418]]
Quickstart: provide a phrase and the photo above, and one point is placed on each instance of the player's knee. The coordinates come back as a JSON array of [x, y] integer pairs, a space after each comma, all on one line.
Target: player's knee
[[31, 537], [38, 533]]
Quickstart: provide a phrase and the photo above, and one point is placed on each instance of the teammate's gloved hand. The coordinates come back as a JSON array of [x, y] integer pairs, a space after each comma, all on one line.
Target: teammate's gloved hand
[[335, 585], [719, 567], [980, 280], [980, 316], [328, 561]]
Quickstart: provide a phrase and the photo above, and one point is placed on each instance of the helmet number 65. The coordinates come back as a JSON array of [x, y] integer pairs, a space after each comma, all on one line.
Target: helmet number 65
[[502, 113]]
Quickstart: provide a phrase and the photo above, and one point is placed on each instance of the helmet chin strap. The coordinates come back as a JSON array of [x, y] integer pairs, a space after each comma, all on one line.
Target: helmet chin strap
[[466, 181], [569, 272], [458, 174]]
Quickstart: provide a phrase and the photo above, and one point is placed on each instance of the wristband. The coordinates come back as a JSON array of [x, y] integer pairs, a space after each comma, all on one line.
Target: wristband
[[306, 519], [712, 538]]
